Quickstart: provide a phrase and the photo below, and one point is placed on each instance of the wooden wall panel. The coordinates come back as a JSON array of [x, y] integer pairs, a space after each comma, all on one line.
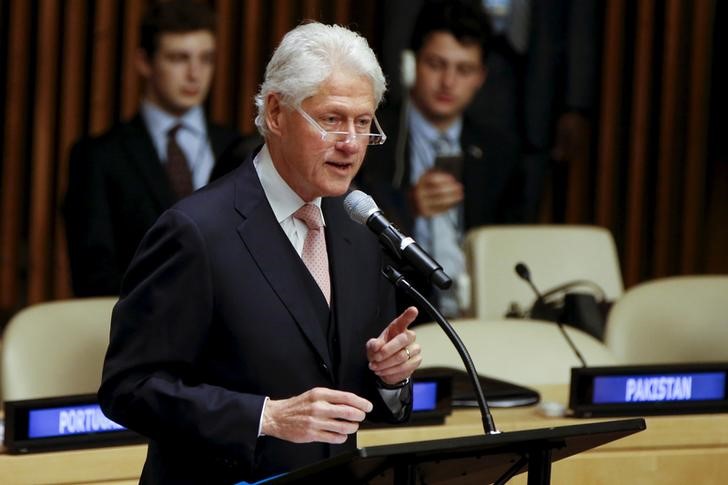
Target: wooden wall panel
[[611, 100], [13, 182], [666, 204], [638, 146], [70, 129], [42, 203], [697, 136], [312, 10], [103, 85], [342, 12], [130, 80], [251, 38], [220, 106], [281, 19]]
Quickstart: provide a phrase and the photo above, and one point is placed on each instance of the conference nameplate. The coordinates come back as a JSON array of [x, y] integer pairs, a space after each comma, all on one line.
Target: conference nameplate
[[431, 400], [59, 423], [649, 389]]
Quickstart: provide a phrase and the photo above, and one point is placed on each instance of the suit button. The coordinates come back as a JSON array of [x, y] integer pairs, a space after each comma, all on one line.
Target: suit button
[[324, 366]]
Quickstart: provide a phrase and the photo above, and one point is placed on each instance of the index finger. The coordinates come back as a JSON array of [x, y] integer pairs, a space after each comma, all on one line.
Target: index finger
[[400, 324]]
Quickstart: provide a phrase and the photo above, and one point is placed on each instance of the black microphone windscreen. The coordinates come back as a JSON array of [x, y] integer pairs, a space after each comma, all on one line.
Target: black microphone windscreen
[[360, 206], [523, 272]]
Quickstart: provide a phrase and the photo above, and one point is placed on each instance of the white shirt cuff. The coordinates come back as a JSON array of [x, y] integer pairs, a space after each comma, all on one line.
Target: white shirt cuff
[[262, 413]]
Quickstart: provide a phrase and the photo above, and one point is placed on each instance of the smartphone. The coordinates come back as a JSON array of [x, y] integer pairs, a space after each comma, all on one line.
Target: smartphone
[[451, 164]]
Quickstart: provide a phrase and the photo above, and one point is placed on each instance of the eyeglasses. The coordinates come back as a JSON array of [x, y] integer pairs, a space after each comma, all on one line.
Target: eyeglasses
[[346, 136]]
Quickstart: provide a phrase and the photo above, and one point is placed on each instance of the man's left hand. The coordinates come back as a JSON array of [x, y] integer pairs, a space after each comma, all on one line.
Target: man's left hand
[[394, 355]]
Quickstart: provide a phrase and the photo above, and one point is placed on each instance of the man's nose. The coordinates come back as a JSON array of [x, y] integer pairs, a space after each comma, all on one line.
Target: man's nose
[[448, 76], [352, 143], [194, 69], [354, 137]]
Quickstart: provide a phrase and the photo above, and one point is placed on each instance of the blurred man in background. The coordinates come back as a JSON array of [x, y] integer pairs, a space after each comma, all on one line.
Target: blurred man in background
[[442, 172], [121, 181], [541, 86]]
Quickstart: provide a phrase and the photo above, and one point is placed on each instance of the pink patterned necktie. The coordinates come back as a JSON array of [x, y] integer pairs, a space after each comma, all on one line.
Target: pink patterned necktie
[[314, 247]]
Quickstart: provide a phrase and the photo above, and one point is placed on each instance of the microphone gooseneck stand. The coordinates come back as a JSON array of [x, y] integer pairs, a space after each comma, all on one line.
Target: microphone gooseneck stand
[[541, 310], [399, 281]]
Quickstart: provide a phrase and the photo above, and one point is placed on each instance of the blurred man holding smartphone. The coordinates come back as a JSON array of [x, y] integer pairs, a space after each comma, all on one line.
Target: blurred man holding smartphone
[[444, 173]]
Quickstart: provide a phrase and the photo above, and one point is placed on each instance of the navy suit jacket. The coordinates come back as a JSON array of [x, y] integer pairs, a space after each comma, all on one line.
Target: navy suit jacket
[[217, 311], [117, 188]]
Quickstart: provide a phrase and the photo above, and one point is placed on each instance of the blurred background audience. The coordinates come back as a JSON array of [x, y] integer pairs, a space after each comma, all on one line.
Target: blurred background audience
[[649, 165]]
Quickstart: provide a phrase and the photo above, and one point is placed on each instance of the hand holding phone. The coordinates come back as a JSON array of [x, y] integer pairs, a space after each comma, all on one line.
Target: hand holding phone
[[451, 164], [435, 192]]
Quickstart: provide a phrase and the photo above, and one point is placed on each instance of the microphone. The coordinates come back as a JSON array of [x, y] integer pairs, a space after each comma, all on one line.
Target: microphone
[[541, 310], [362, 209]]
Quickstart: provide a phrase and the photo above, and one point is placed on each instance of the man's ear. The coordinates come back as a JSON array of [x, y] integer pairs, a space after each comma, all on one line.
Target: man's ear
[[143, 63], [274, 110]]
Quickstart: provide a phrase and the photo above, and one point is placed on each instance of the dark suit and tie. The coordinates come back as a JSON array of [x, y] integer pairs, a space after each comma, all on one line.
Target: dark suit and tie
[[241, 291], [117, 189], [245, 344]]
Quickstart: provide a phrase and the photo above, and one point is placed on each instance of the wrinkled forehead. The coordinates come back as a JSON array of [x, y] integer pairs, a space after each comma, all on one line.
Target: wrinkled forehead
[[345, 86]]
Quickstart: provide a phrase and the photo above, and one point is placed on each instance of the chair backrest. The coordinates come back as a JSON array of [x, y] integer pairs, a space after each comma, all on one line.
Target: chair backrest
[[55, 349], [526, 352], [555, 254], [677, 319]]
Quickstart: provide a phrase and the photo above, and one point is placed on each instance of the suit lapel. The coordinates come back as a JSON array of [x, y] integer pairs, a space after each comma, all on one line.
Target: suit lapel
[[143, 157], [472, 145], [219, 140], [276, 258], [343, 266]]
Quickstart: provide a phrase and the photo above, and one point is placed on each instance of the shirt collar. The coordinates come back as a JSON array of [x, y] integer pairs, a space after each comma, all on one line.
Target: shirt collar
[[159, 122], [418, 124], [282, 198]]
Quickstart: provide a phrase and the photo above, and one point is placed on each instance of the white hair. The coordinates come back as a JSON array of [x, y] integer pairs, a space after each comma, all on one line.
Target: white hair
[[307, 56]]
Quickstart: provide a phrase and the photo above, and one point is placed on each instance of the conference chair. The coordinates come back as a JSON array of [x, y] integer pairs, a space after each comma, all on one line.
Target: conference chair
[[555, 254], [676, 319], [526, 352], [55, 349]]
